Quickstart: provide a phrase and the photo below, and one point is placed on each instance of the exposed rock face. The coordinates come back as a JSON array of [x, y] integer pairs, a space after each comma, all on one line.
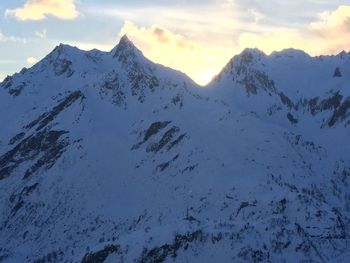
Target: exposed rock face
[[100, 256], [45, 146], [337, 73]]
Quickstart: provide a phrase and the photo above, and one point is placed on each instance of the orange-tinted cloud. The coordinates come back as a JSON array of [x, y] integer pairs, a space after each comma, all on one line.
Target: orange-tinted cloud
[[333, 30], [160, 34], [41, 9]]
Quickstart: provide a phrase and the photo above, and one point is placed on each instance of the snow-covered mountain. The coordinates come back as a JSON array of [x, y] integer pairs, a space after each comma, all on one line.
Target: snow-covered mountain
[[290, 81], [108, 157]]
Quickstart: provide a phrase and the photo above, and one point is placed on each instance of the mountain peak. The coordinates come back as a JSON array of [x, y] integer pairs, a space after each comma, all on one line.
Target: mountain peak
[[253, 51], [63, 50], [124, 40], [343, 54], [290, 53], [125, 48], [248, 56]]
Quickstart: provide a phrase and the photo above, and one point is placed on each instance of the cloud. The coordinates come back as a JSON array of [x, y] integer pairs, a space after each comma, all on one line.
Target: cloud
[[160, 34], [256, 15], [41, 9], [329, 33], [195, 21], [4, 38], [31, 60], [41, 34], [201, 52], [332, 30], [159, 44]]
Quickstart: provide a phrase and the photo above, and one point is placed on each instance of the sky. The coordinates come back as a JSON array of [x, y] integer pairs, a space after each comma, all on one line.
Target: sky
[[197, 37]]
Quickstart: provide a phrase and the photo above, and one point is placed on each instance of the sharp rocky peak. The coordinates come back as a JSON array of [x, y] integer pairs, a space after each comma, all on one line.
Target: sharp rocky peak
[[125, 50], [241, 62], [63, 52], [254, 52], [248, 56], [65, 49], [125, 42], [343, 54]]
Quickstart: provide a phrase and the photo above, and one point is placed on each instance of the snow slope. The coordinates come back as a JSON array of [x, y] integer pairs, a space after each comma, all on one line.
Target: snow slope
[[108, 157]]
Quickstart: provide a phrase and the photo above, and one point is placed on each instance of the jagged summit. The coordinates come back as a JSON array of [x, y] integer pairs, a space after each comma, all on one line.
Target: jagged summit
[[248, 55], [125, 41], [65, 48], [241, 62], [254, 52], [125, 50], [343, 54], [61, 52]]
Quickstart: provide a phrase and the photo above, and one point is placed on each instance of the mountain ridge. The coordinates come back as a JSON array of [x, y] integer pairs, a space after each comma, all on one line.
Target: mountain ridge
[[118, 159], [124, 40]]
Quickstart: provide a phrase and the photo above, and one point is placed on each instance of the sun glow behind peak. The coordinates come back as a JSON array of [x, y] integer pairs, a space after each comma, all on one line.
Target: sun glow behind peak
[[195, 37], [159, 44]]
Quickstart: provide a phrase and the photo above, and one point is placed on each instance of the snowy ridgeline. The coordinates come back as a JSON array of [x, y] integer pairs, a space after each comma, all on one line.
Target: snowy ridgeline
[[108, 157]]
